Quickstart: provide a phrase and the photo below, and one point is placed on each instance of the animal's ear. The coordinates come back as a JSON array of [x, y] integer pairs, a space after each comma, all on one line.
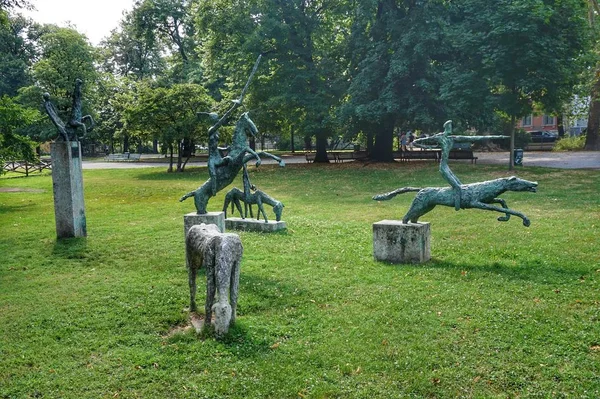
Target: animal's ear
[[512, 178]]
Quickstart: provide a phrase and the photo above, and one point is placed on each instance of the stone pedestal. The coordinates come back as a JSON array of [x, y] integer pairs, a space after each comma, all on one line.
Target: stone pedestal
[[67, 185], [254, 225], [396, 242], [193, 218]]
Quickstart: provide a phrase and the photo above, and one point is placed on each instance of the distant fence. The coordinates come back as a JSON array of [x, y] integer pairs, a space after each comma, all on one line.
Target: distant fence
[[27, 167]]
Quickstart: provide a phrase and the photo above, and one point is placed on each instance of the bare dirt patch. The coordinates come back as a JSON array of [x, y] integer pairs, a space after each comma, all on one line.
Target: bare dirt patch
[[20, 190]]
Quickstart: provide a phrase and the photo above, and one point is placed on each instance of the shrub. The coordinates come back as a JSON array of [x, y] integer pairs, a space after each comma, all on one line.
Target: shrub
[[570, 143]]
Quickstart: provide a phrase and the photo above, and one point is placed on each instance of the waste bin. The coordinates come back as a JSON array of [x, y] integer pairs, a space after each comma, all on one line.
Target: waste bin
[[518, 156]]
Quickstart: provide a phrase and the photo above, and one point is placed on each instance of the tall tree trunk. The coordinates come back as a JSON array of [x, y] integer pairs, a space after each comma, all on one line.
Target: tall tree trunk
[[511, 158], [384, 144], [592, 141], [370, 142], [170, 169], [321, 155], [126, 143], [561, 126], [292, 140]]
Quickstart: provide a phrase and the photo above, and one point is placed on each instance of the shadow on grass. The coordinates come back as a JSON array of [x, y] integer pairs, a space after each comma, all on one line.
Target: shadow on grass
[[15, 208], [71, 248], [533, 271]]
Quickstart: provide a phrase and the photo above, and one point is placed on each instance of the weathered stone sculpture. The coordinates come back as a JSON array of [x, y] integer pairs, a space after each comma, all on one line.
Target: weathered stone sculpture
[[222, 170], [477, 195], [221, 254], [67, 178]]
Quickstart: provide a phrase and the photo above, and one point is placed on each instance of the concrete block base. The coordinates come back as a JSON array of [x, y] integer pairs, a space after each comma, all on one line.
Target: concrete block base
[[193, 218], [67, 185], [254, 225], [396, 242]]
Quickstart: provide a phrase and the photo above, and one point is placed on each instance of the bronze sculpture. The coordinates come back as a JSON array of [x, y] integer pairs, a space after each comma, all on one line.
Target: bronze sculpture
[[466, 196], [222, 170], [68, 131]]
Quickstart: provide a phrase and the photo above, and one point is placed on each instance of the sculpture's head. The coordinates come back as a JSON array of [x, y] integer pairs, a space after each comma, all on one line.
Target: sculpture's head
[[516, 184], [278, 209], [46, 96], [250, 126], [448, 128]]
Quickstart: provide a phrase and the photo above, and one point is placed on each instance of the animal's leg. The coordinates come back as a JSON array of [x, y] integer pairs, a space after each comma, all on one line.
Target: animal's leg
[[261, 208], [238, 206], [192, 272], [210, 289], [226, 204], [222, 308], [417, 209], [506, 216], [234, 288], [481, 205]]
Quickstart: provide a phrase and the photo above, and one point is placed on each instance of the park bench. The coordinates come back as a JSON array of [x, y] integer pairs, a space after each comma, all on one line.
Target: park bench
[[463, 154], [418, 155], [125, 157]]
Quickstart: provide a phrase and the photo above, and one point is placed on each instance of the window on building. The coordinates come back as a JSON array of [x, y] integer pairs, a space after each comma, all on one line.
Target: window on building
[[548, 120], [526, 121]]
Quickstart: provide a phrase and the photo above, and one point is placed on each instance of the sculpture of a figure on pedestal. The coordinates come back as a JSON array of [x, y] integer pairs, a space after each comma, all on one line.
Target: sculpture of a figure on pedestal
[[445, 141], [476, 195], [222, 170], [68, 131]]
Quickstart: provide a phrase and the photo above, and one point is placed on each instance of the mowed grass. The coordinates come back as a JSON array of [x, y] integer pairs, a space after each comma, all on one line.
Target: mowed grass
[[501, 310]]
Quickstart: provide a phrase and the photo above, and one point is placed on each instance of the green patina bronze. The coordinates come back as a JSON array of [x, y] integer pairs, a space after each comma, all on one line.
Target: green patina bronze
[[222, 170], [68, 131], [477, 195]]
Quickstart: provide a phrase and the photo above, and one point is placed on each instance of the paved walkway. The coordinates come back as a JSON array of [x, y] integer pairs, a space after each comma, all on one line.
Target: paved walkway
[[561, 160]]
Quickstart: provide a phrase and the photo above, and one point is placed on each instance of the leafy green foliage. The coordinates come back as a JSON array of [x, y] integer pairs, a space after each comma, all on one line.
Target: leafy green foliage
[[14, 146]]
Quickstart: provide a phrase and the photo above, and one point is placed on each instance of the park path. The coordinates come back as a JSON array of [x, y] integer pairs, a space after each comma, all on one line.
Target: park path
[[561, 160]]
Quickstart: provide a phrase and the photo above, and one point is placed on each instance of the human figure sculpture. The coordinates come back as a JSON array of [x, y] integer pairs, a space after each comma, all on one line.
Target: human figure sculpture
[[221, 254], [68, 131], [446, 141], [222, 170]]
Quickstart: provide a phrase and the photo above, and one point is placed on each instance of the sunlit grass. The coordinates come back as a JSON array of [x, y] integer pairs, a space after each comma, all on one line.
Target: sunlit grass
[[500, 311]]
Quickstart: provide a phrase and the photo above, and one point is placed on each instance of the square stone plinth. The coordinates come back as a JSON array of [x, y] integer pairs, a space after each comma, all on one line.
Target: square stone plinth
[[193, 218], [396, 242], [254, 225]]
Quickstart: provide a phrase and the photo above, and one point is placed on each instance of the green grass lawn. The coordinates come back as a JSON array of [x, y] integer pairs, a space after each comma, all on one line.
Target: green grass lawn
[[501, 310]]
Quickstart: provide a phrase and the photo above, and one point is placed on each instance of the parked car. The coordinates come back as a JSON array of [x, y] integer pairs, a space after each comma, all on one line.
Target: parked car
[[543, 136]]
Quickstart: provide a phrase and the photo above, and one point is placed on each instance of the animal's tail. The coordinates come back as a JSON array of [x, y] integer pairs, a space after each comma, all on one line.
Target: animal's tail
[[392, 194]]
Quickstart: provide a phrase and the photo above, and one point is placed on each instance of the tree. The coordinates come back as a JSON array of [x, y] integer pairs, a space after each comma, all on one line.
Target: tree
[[396, 57], [298, 78], [592, 139], [13, 117], [523, 62], [170, 115]]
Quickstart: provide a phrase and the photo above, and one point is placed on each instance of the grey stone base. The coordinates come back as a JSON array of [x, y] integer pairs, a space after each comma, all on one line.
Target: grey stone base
[[254, 225], [193, 218], [396, 242], [67, 185]]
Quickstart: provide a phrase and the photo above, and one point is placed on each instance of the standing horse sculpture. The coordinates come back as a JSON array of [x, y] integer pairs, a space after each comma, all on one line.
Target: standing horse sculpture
[[476, 195], [239, 154]]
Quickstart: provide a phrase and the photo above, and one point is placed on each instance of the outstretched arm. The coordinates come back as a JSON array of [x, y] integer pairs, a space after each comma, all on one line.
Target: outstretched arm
[[471, 139]]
